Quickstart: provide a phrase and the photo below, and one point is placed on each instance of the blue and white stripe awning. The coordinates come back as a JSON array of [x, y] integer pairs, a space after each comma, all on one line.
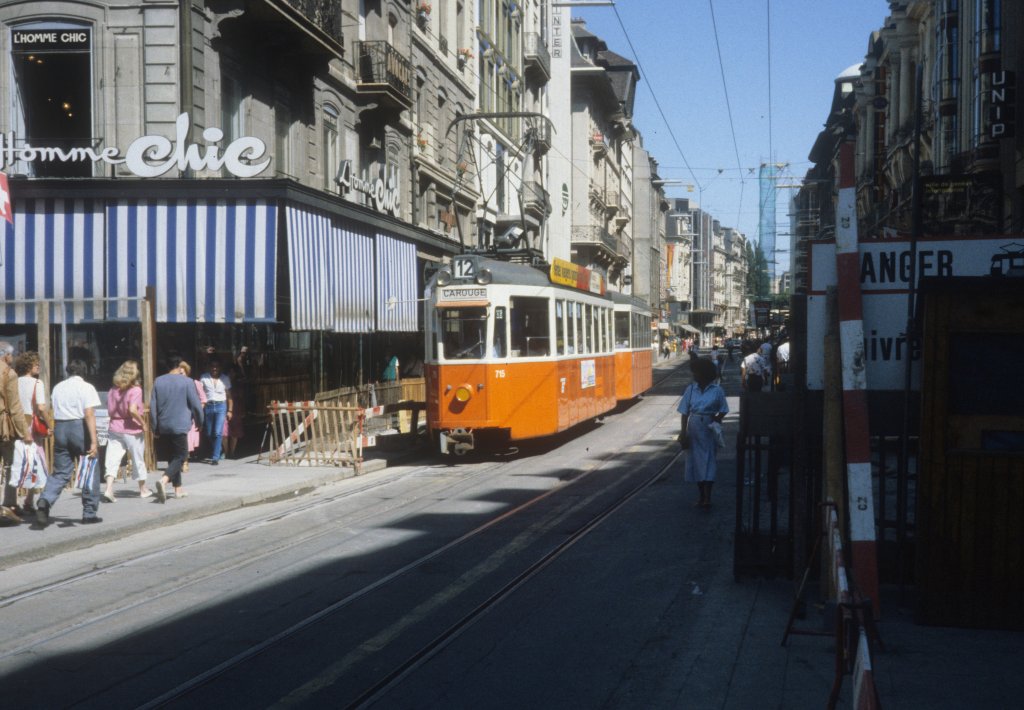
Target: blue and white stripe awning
[[330, 267], [54, 250], [397, 290], [209, 261]]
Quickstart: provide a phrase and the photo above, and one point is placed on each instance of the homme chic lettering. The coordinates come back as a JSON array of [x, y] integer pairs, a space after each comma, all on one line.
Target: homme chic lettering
[[153, 156], [49, 37]]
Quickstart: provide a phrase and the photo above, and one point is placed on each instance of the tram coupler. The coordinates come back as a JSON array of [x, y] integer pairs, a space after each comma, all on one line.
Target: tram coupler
[[457, 441]]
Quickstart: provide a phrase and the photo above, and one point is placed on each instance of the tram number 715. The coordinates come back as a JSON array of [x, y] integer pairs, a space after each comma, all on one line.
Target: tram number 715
[[499, 374]]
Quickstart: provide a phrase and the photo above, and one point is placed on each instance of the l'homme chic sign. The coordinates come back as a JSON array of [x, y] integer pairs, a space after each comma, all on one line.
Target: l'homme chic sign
[[152, 156], [383, 192]]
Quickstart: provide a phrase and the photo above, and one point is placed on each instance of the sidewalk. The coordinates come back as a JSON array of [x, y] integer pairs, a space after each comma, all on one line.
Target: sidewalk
[[231, 485]]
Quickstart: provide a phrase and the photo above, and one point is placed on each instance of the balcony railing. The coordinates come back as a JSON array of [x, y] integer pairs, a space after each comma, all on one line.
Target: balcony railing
[[611, 202], [541, 137], [595, 234], [325, 14], [381, 69], [535, 199], [536, 59]]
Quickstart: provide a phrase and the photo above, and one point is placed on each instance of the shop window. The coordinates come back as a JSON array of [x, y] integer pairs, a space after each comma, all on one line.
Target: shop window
[[531, 336], [53, 97]]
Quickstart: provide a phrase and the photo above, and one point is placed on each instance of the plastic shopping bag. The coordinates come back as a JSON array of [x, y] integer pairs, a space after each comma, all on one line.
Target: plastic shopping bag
[[716, 432], [85, 473], [28, 466]]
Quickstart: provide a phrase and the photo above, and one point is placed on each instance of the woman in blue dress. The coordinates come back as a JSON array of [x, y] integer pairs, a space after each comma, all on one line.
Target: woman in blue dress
[[702, 405]]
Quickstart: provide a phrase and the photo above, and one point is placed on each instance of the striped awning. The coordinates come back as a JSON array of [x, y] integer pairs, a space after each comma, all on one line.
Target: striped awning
[[330, 268], [397, 290], [209, 261], [54, 250]]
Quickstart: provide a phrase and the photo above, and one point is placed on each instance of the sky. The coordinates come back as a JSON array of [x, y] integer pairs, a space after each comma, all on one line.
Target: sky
[[806, 44]]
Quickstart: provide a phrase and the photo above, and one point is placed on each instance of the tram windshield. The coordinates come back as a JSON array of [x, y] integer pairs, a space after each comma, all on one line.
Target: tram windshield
[[463, 333]]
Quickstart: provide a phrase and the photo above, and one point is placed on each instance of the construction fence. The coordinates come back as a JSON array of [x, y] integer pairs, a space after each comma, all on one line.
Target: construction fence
[[335, 427]]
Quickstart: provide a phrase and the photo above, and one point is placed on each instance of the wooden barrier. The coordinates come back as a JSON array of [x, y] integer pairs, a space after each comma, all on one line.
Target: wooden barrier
[[315, 434]]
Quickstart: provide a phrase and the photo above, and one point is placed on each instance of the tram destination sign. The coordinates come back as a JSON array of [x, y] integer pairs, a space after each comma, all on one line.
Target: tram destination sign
[[567, 273]]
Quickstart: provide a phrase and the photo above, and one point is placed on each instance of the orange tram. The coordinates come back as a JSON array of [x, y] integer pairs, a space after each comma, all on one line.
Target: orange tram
[[517, 351]]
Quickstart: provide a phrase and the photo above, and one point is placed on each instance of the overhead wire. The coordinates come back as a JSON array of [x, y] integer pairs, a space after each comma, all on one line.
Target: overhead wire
[[728, 107], [654, 96]]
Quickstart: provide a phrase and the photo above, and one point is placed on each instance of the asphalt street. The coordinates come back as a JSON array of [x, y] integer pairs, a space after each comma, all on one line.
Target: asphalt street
[[576, 574]]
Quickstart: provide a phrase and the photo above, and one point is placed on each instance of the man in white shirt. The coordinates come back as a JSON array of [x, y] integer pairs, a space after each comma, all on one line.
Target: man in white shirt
[[74, 435]]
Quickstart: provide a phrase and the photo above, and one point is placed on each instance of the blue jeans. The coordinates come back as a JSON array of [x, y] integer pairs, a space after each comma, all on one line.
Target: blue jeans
[[68, 444], [213, 424]]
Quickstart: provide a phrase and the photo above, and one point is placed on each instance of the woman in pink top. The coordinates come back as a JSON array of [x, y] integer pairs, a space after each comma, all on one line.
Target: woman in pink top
[[193, 433], [127, 429]]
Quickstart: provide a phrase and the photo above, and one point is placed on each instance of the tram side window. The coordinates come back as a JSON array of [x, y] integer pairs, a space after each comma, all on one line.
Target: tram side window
[[621, 330], [560, 328], [531, 336], [580, 343], [571, 327], [463, 333], [589, 310], [500, 337]]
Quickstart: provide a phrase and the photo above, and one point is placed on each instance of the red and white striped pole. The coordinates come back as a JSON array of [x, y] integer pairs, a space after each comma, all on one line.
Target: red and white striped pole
[[855, 401]]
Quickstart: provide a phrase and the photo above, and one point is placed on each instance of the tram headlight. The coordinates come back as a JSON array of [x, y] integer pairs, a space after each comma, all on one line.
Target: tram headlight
[[484, 277], [463, 393], [444, 277]]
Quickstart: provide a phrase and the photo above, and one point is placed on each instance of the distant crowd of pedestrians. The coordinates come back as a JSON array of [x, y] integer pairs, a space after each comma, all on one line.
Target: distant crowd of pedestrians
[[180, 408]]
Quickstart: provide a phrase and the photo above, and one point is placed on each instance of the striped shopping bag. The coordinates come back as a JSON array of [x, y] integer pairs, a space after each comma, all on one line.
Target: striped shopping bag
[[85, 473], [33, 471]]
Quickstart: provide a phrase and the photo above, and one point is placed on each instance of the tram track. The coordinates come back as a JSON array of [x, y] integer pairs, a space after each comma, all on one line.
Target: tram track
[[184, 690], [422, 656], [243, 559]]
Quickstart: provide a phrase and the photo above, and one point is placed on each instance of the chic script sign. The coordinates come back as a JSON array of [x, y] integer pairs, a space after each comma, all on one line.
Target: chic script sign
[[152, 156]]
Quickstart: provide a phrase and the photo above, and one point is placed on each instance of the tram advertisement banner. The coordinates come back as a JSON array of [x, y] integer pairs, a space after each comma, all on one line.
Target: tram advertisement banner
[[884, 283], [567, 273], [588, 374]]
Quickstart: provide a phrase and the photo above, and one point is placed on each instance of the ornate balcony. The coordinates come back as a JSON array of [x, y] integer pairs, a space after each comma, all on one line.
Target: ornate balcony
[[382, 71], [612, 202], [541, 137], [598, 238], [536, 59], [535, 200], [325, 14]]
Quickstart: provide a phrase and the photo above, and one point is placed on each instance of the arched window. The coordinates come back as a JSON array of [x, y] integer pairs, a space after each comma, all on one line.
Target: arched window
[[332, 148]]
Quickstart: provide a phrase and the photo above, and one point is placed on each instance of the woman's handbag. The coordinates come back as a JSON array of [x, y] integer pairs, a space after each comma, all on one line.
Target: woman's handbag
[[39, 425]]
